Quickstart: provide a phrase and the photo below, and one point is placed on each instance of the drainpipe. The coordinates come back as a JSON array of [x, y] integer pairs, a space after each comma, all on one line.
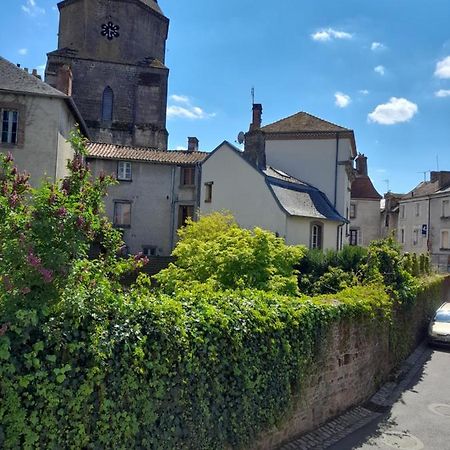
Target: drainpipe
[[429, 246], [199, 187], [336, 169], [172, 208], [338, 234]]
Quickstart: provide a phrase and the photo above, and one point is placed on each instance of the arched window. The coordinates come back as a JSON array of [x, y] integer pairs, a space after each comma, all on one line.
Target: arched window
[[316, 235], [107, 104]]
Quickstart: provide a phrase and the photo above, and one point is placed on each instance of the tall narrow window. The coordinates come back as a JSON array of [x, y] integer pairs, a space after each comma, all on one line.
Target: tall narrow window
[[444, 240], [353, 236], [445, 208], [107, 104], [122, 214], [352, 210], [316, 235], [208, 191], [124, 171], [9, 123], [188, 176], [185, 212]]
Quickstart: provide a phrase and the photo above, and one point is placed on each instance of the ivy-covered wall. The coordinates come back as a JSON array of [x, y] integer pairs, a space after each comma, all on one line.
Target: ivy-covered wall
[[356, 356]]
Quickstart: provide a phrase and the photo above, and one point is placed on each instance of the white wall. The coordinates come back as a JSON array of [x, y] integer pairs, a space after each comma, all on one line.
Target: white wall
[[299, 231], [242, 190], [156, 195], [45, 123], [367, 220], [410, 221]]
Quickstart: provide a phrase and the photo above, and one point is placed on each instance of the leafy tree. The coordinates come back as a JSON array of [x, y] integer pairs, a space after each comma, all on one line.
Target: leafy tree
[[216, 250]]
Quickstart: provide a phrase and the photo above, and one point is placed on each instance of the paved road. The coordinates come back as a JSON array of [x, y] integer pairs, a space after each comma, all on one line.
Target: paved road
[[420, 419]]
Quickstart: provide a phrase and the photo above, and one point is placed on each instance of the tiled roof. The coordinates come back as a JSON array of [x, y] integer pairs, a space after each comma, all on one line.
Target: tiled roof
[[362, 187], [422, 189], [110, 151], [302, 122], [14, 79]]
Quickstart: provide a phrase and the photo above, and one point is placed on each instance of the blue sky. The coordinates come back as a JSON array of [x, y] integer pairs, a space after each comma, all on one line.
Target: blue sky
[[379, 67]]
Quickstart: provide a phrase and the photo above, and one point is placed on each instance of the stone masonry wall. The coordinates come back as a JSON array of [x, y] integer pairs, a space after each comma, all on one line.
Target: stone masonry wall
[[355, 360]]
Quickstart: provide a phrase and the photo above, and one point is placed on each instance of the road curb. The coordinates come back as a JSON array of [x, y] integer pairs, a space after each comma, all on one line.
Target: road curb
[[339, 428]]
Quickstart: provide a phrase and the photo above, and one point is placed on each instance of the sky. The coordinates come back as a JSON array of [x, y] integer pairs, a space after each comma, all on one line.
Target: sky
[[381, 68]]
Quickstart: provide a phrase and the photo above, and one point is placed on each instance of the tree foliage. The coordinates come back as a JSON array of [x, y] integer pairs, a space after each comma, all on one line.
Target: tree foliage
[[215, 250]]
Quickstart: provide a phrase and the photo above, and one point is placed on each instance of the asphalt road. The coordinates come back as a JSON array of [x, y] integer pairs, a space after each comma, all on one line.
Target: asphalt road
[[420, 419]]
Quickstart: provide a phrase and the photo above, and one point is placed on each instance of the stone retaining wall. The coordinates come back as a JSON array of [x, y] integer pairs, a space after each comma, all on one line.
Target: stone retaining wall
[[355, 360]]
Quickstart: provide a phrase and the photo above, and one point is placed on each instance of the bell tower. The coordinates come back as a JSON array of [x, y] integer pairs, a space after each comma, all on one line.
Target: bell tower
[[115, 52]]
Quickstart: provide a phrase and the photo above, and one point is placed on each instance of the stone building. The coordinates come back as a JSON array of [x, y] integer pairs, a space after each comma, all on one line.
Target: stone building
[[114, 50], [364, 206], [36, 120], [156, 192]]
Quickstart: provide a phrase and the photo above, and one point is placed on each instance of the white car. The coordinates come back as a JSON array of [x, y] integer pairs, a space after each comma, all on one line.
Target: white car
[[439, 329]]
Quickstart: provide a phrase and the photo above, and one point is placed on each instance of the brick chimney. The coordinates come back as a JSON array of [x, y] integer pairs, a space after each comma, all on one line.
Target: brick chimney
[[255, 140], [192, 144], [361, 165], [442, 177], [35, 74], [64, 79], [257, 117]]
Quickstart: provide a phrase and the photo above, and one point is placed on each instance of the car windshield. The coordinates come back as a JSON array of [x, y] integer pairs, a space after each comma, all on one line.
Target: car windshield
[[442, 316]]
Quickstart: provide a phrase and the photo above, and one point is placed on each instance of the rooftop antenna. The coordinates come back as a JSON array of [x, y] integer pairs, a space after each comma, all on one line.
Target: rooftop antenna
[[424, 174], [387, 185], [253, 95]]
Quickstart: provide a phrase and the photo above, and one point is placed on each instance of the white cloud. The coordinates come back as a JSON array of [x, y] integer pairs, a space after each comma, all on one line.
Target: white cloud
[[186, 110], [396, 110], [380, 70], [443, 68], [179, 98], [32, 9], [328, 34], [442, 93], [364, 92], [377, 46], [342, 100], [23, 51]]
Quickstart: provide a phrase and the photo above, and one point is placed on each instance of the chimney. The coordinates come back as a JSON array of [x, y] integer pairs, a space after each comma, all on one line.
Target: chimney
[[26, 69], [192, 144], [18, 65], [64, 79], [442, 177], [257, 116], [361, 165]]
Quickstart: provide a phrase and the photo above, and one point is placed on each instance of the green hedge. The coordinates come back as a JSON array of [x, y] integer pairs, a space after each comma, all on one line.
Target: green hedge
[[202, 370]]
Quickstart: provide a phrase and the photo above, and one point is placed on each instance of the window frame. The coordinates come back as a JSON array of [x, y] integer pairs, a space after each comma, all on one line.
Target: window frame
[[119, 174], [115, 212], [402, 212], [316, 239], [445, 207], [19, 108], [417, 209], [445, 230], [181, 218], [208, 191], [187, 181], [107, 114], [352, 214], [355, 232]]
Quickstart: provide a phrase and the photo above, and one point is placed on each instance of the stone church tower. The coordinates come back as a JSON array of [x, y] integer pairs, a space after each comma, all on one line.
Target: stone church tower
[[110, 58]]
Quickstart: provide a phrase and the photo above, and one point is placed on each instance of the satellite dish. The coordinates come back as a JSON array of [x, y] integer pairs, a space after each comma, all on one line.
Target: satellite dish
[[241, 137]]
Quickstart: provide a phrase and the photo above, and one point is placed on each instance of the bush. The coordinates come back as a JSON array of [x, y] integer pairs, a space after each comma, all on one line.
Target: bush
[[215, 250]]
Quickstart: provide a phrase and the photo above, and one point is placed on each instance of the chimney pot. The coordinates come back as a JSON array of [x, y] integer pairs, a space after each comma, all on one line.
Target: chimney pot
[[26, 69], [192, 144], [18, 65]]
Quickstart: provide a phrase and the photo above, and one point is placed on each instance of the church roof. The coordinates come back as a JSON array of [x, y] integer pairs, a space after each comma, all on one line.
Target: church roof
[[302, 122], [363, 188], [98, 150]]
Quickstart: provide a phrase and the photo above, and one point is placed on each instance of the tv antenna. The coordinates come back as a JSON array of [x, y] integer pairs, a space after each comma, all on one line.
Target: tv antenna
[[387, 185], [253, 95], [424, 174]]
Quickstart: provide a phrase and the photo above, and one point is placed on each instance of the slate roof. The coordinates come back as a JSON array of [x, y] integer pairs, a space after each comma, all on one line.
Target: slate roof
[[298, 198], [14, 79], [422, 189], [302, 122], [362, 187], [120, 152]]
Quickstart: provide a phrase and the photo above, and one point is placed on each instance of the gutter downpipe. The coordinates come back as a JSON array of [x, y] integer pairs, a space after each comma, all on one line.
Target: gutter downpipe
[[336, 169], [429, 228], [338, 235], [172, 208]]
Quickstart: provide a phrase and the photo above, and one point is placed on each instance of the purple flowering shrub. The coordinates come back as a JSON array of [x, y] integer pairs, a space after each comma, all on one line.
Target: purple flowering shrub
[[45, 231]]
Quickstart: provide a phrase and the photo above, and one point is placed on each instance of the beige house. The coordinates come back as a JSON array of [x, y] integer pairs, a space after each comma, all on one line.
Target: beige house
[[424, 219], [310, 149], [156, 192], [364, 207], [268, 198], [36, 120]]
